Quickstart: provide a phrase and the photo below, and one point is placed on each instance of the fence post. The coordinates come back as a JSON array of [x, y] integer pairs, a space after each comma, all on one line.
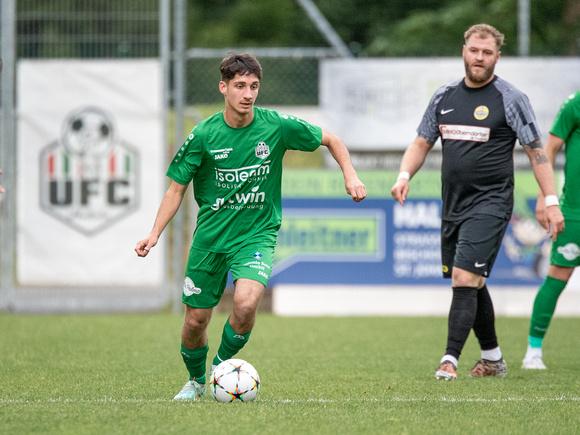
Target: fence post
[[8, 154]]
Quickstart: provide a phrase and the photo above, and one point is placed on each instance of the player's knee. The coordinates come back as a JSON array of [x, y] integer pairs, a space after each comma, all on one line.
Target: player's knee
[[244, 315], [463, 278], [195, 322]]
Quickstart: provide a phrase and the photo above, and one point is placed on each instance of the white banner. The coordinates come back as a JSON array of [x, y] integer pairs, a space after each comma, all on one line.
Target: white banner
[[377, 104], [90, 171]]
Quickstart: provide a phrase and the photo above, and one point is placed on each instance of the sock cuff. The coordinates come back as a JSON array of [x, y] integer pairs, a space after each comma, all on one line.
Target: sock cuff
[[491, 354], [230, 333], [194, 353], [464, 292], [556, 281], [535, 342], [449, 358]]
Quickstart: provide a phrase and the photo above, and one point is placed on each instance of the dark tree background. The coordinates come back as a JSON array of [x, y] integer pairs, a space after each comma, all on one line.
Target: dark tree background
[[380, 28]]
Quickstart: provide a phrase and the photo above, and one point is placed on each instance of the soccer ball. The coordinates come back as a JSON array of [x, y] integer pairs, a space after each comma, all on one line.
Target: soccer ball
[[234, 380]]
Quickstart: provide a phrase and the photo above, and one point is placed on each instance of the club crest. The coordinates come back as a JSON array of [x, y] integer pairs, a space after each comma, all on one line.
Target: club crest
[[262, 150]]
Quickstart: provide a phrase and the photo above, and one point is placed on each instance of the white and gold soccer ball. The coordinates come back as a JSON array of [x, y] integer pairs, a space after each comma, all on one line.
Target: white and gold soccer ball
[[234, 380]]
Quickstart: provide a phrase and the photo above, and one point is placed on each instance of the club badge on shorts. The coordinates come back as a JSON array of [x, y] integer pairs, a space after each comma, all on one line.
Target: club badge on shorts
[[189, 287]]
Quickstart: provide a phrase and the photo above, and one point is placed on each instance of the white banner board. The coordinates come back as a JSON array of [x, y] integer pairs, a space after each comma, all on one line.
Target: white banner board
[[377, 104], [90, 171]]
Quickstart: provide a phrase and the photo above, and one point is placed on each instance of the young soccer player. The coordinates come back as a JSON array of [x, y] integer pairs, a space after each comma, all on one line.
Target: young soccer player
[[234, 159], [565, 256]]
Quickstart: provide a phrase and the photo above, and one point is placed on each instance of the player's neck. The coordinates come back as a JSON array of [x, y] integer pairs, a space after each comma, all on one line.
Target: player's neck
[[236, 119]]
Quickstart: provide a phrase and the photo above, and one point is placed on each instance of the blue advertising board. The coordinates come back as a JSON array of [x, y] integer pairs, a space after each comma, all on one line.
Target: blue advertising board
[[326, 238]]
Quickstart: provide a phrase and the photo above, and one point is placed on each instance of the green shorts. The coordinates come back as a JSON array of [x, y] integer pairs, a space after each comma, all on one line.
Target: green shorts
[[566, 249], [206, 273]]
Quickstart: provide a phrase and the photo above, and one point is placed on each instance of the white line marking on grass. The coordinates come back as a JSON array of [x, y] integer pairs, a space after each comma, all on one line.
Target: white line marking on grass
[[426, 399], [290, 401]]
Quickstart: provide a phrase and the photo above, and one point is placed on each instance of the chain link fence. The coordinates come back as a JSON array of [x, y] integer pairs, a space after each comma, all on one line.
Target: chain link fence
[[87, 29], [285, 81], [131, 29]]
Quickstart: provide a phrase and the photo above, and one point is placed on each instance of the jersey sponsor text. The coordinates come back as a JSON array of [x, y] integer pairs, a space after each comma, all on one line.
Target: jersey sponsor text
[[241, 175], [465, 132]]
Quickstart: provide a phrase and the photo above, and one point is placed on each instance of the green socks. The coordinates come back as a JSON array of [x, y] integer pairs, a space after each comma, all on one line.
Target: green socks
[[231, 343], [195, 360], [544, 307]]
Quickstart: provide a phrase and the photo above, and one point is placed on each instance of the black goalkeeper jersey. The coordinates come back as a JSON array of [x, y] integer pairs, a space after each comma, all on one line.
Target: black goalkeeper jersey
[[478, 128]]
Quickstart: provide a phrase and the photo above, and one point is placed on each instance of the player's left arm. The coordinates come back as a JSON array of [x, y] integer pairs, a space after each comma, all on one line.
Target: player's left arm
[[338, 150], [554, 145], [544, 174]]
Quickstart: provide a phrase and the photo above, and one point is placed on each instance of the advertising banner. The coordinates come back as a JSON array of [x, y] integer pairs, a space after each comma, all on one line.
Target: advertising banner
[[377, 104], [326, 238], [90, 133]]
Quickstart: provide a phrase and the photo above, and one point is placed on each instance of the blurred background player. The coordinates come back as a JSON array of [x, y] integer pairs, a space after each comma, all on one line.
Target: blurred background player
[[565, 254], [478, 119], [234, 159]]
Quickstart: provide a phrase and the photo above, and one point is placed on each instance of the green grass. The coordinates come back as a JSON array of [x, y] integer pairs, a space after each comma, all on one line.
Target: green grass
[[113, 374]]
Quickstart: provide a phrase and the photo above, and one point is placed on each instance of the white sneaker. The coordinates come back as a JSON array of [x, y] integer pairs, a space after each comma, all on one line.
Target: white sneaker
[[212, 368], [533, 363], [191, 391]]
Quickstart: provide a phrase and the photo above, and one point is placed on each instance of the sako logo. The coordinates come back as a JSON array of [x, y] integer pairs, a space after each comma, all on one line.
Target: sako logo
[[88, 177], [221, 154]]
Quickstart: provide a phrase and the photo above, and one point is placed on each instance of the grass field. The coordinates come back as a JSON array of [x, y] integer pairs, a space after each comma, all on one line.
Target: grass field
[[113, 374]]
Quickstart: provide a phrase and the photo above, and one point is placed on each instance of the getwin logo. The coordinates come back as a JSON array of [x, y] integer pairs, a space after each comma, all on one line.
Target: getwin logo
[[241, 200]]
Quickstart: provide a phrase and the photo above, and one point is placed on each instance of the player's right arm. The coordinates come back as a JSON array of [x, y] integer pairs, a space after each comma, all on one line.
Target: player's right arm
[[412, 161], [169, 206]]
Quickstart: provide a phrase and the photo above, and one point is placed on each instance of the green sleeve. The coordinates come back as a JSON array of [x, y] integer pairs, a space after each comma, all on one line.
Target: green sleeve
[[300, 135], [568, 118], [187, 160]]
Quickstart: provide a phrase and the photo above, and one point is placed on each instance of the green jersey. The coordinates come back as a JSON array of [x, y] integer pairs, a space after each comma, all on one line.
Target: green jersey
[[237, 176], [567, 127]]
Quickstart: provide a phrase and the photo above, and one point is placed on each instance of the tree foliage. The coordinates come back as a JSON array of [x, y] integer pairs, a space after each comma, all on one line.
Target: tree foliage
[[368, 27], [379, 28]]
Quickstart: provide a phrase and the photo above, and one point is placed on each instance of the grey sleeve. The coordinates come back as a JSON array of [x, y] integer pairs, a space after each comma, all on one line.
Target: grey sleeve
[[519, 113], [429, 127]]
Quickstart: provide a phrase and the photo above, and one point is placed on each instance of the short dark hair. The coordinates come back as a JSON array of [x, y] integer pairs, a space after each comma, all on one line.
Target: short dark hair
[[242, 64]]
